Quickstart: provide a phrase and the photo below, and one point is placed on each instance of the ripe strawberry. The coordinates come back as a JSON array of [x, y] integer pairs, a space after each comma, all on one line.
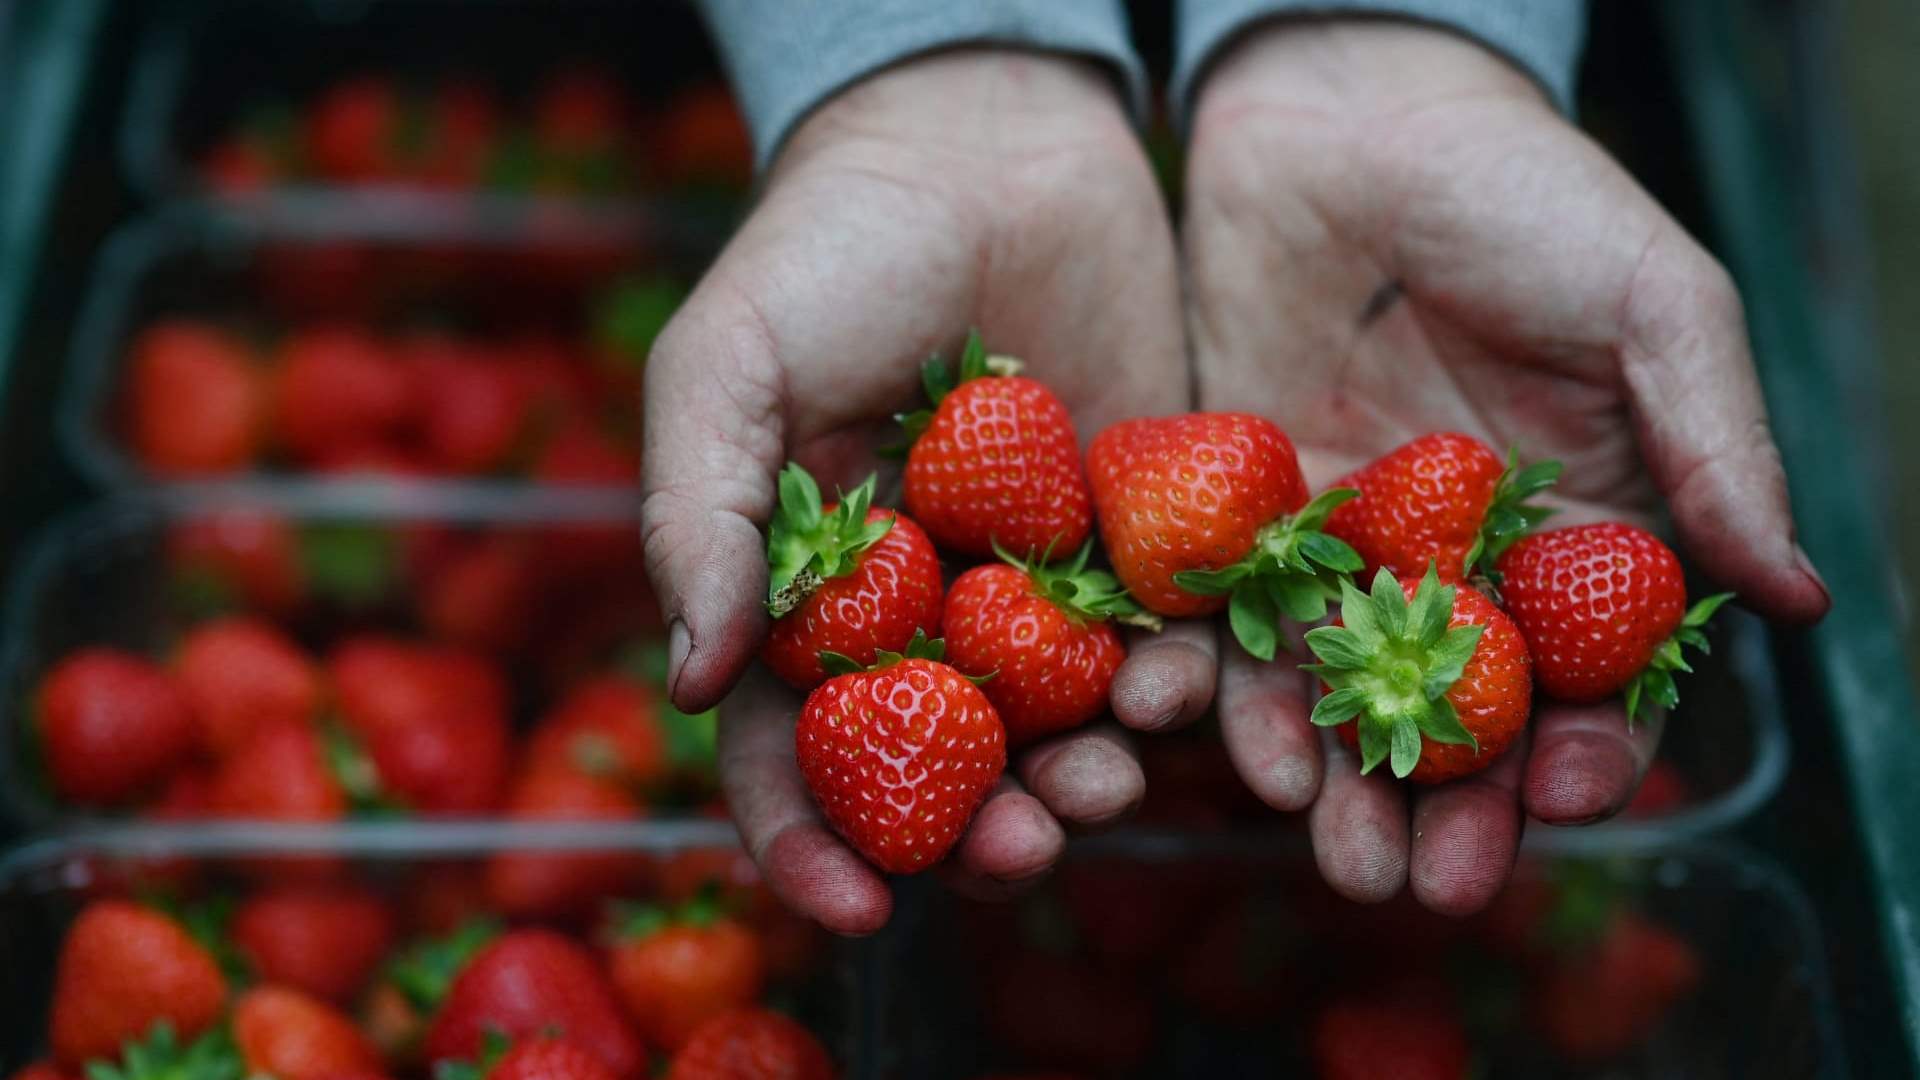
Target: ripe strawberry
[[279, 773], [384, 683], [1440, 686], [580, 112], [433, 723], [235, 558], [751, 1044], [563, 884], [1443, 498], [843, 578], [1041, 637], [474, 409], [869, 741], [539, 1058], [1196, 507], [241, 672], [674, 971], [42, 1069], [702, 141], [535, 982], [1604, 609], [325, 940], [336, 391], [122, 969], [479, 597], [111, 726], [197, 402], [1604, 997], [581, 455], [607, 727], [352, 131], [996, 460], [1405, 1036], [414, 984], [464, 124], [286, 1034], [454, 763]]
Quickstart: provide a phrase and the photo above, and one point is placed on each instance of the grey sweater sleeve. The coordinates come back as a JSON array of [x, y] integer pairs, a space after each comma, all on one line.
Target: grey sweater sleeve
[[1542, 37], [787, 56]]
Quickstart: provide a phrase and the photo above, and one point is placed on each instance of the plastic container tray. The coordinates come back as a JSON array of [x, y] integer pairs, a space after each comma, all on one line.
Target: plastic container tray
[[202, 62], [104, 576], [43, 885], [379, 269], [1763, 1008]]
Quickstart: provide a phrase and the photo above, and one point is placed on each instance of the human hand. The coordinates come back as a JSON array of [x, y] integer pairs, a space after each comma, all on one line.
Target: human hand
[[974, 188], [1389, 231]]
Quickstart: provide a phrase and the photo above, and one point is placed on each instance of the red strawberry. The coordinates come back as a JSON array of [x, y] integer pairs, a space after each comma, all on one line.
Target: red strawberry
[[535, 982], [607, 727], [674, 971], [526, 884], [1042, 634], [1604, 998], [353, 131], [1663, 790], [415, 982], [843, 578], [43, 1069], [239, 673], [1604, 609], [995, 461], [479, 597], [325, 940], [751, 1044], [1443, 498], [582, 111], [703, 141], [1401, 1035], [465, 124], [581, 455], [122, 969], [1196, 507], [336, 391], [236, 557], [288, 1035], [197, 401], [1440, 686], [899, 756], [433, 722], [279, 773], [547, 1058], [112, 726], [474, 409]]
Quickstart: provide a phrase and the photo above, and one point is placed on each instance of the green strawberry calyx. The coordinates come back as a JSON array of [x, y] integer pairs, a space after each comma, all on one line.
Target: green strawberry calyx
[[1655, 682], [494, 1045], [632, 921], [1293, 569], [1084, 595], [1390, 667], [426, 969], [921, 647], [1509, 516], [939, 380], [631, 314], [806, 545], [160, 1056]]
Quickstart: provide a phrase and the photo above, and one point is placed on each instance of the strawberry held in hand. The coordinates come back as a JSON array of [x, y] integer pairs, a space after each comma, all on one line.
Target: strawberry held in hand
[[1198, 507], [1042, 637], [996, 460], [899, 756], [1440, 686], [843, 578], [1443, 498], [1604, 610]]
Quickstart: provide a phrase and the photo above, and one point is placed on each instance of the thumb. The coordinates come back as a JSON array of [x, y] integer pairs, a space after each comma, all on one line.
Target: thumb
[[713, 444], [1703, 430]]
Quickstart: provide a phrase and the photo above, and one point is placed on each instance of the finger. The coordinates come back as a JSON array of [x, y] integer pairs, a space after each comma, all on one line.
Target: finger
[[1012, 842], [1263, 721], [1465, 836], [1089, 777], [1167, 680], [808, 867], [714, 440], [1359, 827], [1703, 430], [1585, 764]]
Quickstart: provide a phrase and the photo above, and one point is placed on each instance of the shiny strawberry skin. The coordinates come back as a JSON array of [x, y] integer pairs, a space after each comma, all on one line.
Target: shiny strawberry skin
[[894, 590], [337, 390], [679, 976], [756, 1043], [1493, 697], [608, 727], [1051, 672], [1188, 493], [123, 967], [562, 884], [1424, 501], [112, 726], [535, 982], [325, 940], [291, 1035], [279, 773], [999, 461], [1594, 602], [548, 1058], [197, 403], [1602, 1001], [900, 758], [241, 672]]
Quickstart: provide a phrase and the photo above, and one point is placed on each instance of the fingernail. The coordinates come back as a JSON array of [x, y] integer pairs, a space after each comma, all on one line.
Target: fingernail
[[1806, 567], [679, 644]]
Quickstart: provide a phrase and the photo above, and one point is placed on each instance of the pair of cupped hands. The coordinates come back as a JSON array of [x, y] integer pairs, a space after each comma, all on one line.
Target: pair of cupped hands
[[1388, 230]]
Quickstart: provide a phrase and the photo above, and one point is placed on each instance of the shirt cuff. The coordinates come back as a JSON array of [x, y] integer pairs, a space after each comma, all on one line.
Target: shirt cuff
[[1541, 37], [785, 57]]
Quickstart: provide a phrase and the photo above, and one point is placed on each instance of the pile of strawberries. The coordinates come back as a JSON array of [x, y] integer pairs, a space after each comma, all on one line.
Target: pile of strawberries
[[303, 976], [580, 135], [1468, 606], [202, 399]]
